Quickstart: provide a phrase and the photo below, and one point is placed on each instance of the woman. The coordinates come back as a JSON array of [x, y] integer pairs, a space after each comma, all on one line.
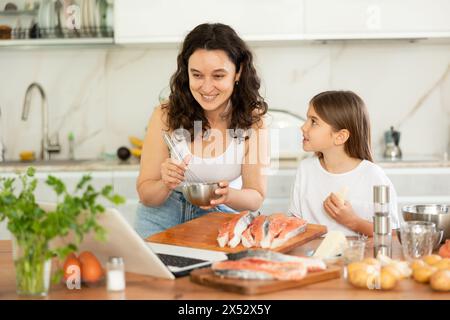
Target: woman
[[215, 115]]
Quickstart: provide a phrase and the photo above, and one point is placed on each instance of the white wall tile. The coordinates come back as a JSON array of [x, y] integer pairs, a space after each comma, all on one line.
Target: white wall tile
[[106, 95]]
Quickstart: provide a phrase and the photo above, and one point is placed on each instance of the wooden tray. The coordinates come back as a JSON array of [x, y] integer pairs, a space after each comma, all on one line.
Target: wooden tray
[[202, 233], [251, 287]]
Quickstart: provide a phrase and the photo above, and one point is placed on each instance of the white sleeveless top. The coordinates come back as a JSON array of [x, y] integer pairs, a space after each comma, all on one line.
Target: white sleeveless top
[[225, 167]]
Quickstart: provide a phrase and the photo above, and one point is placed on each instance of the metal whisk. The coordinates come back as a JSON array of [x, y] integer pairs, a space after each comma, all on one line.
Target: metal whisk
[[189, 174]]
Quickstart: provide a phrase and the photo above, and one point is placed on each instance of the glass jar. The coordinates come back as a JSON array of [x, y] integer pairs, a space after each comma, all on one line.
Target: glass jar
[[354, 251], [33, 269], [115, 276]]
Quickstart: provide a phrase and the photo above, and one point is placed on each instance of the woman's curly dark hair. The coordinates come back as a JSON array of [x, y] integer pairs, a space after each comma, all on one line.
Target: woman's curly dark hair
[[248, 106]]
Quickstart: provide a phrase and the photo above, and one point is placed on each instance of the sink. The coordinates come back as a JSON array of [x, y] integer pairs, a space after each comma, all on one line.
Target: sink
[[55, 162]]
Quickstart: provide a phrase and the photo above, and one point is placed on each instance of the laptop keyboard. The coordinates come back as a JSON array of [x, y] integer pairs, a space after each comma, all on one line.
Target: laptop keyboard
[[177, 261]]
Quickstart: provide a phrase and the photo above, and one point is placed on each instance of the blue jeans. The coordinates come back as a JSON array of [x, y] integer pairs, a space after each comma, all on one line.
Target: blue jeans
[[176, 210]]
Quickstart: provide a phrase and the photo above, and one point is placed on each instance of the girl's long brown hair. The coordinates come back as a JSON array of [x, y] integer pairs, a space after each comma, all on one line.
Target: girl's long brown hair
[[183, 109], [346, 110]]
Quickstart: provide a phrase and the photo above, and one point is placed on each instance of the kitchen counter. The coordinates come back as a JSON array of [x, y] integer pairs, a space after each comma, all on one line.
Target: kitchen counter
[[145, 287], [133, 165], [71, 165]]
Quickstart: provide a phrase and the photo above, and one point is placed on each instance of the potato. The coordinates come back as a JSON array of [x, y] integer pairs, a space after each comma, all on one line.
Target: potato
[[440, 280], [423, 274], [393, 271], [416, 264], [364, 277], [403, 268], [371, 261], [356, 265], [388, 279], [443, 264], [432, 259]]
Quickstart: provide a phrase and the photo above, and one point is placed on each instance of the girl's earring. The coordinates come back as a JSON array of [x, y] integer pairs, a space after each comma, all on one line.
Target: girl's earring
[[236, 83]]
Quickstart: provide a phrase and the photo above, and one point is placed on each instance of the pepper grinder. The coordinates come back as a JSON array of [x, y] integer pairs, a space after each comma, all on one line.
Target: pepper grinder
[[382, 236]]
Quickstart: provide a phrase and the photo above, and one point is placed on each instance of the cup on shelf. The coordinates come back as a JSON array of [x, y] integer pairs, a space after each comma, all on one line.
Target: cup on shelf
[[5, 32], [47, 19]]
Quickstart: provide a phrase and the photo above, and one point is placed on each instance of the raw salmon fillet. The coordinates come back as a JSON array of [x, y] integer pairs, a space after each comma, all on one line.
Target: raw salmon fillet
[[256, 230], [259, 268], [255, 233], [230, 232], [312, 264], [277, 223], [293, 227]]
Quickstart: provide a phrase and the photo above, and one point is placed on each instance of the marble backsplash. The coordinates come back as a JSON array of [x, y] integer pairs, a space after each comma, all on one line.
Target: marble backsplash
[[105, 95]]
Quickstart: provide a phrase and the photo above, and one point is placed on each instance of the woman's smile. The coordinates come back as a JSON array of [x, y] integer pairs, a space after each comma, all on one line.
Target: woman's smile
[[209, 98]]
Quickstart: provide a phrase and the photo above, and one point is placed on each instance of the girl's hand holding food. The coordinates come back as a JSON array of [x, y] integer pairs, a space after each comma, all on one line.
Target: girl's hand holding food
[[340, 210]]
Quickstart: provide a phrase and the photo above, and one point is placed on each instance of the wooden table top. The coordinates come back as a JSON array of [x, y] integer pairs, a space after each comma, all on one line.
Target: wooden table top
[[146, 287]]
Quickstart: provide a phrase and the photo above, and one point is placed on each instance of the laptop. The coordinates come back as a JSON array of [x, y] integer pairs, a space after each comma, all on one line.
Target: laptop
[[153, 259]]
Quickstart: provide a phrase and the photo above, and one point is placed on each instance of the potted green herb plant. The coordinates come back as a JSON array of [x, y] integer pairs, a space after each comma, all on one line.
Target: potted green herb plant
[[33, 228]]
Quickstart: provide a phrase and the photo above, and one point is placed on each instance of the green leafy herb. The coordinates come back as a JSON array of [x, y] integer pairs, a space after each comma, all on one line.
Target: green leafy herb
[[33, 228]]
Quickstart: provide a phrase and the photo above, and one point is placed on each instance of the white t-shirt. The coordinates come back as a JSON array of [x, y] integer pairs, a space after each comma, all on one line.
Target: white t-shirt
[[313, 184]]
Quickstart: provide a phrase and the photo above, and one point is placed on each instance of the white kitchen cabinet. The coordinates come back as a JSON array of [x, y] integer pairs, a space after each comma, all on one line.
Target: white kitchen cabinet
[[420, 185], [124, 183], [279, 185], [365, 19], [143, 21], [44, 193]]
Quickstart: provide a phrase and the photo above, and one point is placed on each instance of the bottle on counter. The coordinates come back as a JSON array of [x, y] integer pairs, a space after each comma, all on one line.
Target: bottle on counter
[[382, 234], [71, 139], [115, 276]]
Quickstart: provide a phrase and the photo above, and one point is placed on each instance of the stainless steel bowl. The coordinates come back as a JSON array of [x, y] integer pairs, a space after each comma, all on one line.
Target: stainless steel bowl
[[437, 213], [200, 194]]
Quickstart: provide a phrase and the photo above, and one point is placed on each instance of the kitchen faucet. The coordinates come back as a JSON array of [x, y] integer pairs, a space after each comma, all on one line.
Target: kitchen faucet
[[47, 146]]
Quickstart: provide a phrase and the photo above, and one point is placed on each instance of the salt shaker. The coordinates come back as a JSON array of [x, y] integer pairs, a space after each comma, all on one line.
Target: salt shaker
[[115, 274]]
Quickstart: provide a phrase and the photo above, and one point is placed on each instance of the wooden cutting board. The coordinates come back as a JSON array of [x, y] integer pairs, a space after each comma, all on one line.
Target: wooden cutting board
[[252, 287], [202, 233]]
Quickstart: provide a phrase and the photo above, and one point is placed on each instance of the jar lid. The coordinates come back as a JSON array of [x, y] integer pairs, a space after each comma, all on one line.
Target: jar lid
[[115, 260]]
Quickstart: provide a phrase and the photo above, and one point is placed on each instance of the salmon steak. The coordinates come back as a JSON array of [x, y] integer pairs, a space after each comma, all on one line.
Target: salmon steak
[[266, 265], [254, 234], [294, 226], [255, 230], [230, 233]]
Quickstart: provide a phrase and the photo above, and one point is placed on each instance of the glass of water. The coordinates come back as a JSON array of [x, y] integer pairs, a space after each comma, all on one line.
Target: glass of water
[[417, 239]]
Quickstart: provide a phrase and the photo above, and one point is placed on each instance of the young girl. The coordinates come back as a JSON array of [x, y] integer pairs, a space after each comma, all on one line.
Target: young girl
[[335, 187]]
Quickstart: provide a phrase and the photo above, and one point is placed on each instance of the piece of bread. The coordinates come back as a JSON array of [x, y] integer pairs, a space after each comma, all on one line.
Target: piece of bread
[[342, 194]]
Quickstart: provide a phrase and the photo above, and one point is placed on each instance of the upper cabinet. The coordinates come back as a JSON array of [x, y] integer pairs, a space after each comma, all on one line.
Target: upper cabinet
[[56, 22], [382, 19], [168, 21], [138, 21]]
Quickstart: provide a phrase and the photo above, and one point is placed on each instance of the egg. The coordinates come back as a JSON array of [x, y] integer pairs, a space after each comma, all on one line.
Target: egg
[[71, 261], [91, 269]]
